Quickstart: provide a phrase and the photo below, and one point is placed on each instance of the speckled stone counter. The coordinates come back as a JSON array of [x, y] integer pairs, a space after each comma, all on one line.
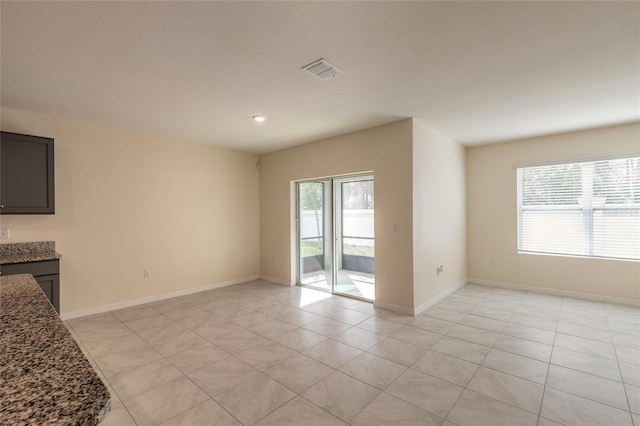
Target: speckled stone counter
[[45, 378], [28, 252]]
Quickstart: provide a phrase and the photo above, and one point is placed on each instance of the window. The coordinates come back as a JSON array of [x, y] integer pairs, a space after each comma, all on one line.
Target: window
[[590, 208]]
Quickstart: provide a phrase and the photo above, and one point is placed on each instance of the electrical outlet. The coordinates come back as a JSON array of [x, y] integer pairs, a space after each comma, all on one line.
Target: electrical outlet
[[4, 234], [440, 269], [492, 262], [147, 273]]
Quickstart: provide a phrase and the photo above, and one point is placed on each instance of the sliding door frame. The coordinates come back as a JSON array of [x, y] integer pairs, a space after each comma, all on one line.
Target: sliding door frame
[[338, 226], [327, 229], [331, 205]]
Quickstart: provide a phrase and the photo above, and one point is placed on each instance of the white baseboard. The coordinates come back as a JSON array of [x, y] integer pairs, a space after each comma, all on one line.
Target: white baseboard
[[156, 298], [568, 293], [395, 308], [426, 305], [438, 297], [276, 280]]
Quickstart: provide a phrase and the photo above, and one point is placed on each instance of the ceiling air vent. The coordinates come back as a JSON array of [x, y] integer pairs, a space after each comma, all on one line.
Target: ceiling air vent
[[322, 69]]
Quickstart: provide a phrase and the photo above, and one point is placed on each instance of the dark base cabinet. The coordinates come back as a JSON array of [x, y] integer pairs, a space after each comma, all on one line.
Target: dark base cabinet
[[50, 285], [46, 273]]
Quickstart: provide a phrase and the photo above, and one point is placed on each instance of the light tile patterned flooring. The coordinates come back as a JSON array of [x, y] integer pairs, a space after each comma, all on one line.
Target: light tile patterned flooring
[[259, 353]]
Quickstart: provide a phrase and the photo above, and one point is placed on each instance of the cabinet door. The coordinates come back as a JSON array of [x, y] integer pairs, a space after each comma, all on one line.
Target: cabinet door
[[50, 285], [27, 175]]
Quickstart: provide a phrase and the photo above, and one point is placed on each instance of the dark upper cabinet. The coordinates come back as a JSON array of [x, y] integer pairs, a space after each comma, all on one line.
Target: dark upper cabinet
[[26, 174]]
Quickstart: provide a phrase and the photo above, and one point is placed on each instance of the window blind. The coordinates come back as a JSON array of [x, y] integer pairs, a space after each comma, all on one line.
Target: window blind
[[589, 208]]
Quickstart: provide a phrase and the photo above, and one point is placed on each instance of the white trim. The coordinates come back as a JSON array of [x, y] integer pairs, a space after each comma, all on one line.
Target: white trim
[[156, 298], [426, 305], [276, 280], [568, 293], [438, 297], [574, 160], [395, 308]]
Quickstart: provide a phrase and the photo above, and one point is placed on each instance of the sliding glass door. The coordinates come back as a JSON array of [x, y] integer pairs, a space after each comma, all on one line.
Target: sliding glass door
[[314, 244], [355, 239], [336, 241]]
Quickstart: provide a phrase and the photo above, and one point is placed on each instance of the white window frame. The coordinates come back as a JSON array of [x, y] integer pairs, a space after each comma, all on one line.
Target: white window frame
[[587, 209]]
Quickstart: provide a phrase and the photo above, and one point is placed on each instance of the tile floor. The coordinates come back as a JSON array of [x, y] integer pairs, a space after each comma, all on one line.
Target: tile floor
[[259, 353], [353, 283]]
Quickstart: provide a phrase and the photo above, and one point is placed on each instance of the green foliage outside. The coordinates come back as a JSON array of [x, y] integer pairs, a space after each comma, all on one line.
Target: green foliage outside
[[618, 181], [358, 250], [314, 248], [311, 247], [560, 184], [615, 181], [311, 196], [355, 195]]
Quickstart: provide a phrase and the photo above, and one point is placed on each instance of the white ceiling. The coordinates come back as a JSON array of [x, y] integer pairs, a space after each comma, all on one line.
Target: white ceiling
[[479, 72]]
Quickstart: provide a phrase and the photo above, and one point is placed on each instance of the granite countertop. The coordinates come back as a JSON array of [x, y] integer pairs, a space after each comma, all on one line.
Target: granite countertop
[[45, 379], [28, 252], [29, 257]]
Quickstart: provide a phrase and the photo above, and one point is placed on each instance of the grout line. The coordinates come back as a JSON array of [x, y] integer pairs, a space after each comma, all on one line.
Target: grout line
[[466, 387], [406, 368], [624, 388], [331, 414], [553, 346]]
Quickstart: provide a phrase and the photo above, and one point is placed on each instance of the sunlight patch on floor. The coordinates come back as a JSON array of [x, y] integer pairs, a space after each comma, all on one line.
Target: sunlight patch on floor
[[354, 283], [309, 296]]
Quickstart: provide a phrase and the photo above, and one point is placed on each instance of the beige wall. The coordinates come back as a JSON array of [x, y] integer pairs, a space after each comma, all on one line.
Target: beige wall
[[385, 150], [439, 213], [126, 202], [492, 221], [198, 215]]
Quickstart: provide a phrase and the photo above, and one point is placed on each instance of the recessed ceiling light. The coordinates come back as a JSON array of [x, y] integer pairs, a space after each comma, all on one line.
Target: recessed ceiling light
[[259, 118]]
